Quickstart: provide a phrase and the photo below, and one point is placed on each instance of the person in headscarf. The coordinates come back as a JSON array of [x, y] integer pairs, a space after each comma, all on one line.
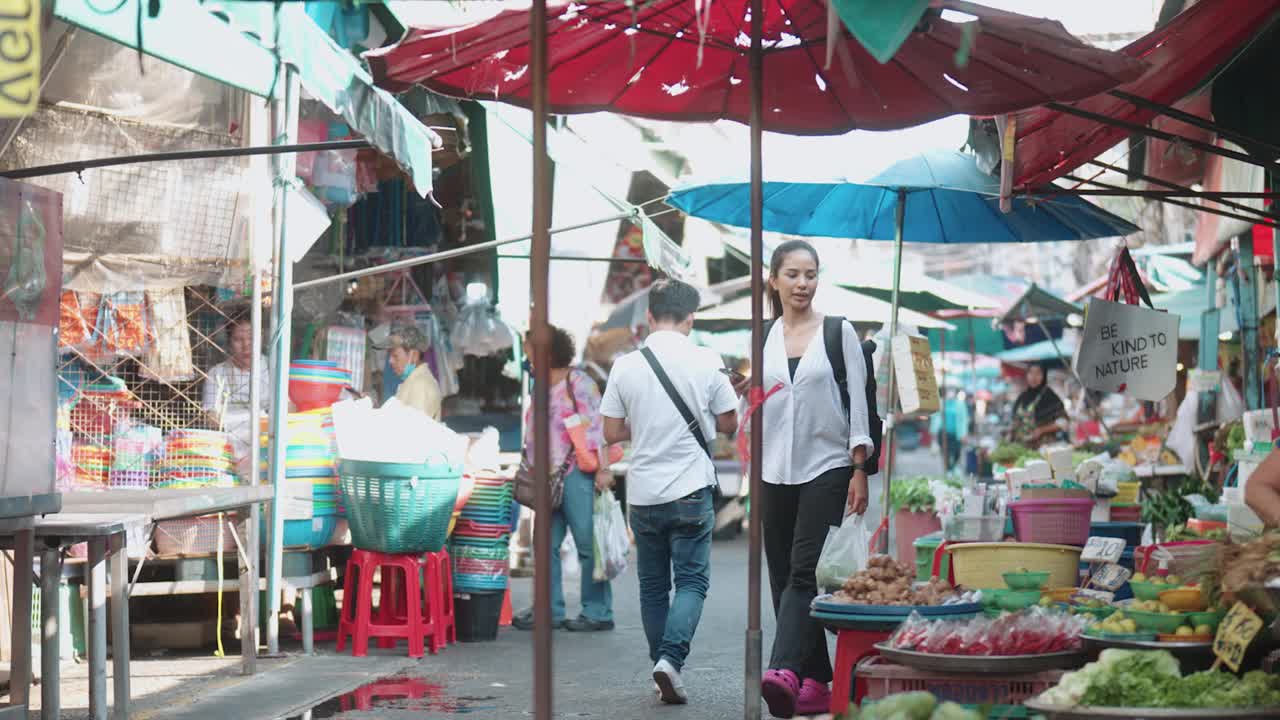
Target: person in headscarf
[[1038, 413]]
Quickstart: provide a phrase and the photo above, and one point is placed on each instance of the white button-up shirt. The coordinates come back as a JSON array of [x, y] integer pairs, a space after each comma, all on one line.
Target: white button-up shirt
[[806, 431], [666, 461]]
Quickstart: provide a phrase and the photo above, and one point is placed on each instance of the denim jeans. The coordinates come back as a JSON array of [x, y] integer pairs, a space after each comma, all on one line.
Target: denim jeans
[[575, 516], [673, 539]]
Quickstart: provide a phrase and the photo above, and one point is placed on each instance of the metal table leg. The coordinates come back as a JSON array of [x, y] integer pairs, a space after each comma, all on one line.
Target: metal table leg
[[120, 626], [248, 565], [308, 621], [20, 668], [97, 577], [50, 633]]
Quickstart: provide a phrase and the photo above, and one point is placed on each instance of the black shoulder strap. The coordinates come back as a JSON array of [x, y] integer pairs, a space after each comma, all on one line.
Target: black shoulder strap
[[690, 421], [833, 339]]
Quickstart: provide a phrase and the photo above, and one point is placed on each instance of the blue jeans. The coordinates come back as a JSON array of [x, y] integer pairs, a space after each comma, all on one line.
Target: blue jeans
[[574, 515], [673, 539]]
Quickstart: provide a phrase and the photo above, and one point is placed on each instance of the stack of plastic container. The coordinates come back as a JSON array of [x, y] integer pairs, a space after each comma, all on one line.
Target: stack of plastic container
[[137, 450], [479, 545], [198, 459], [310, 492]]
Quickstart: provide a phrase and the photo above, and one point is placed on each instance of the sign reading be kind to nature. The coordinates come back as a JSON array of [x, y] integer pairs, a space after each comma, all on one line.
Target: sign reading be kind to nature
[[1129, 350]]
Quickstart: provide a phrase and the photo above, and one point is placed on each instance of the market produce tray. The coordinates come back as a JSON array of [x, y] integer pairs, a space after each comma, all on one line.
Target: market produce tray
[[1057, 712], [1173, 647], [986, 665], [896, 611]]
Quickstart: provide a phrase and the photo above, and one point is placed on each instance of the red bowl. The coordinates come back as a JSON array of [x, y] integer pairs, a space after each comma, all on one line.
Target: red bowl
[[313, 396]]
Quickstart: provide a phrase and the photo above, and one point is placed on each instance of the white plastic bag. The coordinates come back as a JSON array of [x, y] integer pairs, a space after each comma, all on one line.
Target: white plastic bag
[[611, 540], [844, 553]]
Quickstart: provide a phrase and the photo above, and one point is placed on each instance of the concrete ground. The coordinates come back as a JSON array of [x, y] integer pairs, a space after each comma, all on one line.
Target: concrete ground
[[600, 675]]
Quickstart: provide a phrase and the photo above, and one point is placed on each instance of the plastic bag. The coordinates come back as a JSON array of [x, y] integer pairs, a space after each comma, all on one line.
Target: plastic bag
[[844, 553], [611, 540]]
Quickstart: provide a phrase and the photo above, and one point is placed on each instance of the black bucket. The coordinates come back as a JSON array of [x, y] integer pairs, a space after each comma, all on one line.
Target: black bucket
[[477, 616]]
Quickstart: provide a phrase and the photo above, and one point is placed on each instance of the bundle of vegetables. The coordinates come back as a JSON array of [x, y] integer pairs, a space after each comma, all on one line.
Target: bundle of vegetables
[[1182, 533], [1166, 509], [1033, 632], [1011, 454], [1244, 566], [918, 705], [887, 582], [1153, 679], [917, 494]]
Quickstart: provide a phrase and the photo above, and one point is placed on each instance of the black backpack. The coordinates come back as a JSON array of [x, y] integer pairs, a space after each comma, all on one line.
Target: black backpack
[[832, 340]]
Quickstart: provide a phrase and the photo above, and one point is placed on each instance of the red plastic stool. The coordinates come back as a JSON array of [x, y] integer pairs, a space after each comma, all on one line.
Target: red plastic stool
[[400, 610], [442, 611], [851, 647]]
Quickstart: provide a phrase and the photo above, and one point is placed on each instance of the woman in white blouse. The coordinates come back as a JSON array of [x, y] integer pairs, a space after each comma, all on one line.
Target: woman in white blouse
[[814, 450]]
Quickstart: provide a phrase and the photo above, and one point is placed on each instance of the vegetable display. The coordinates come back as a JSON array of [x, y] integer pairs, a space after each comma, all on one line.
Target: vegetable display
[[1034, 632], [1153, 679], [1166, 509], [1247, 565], [914, 494], [887, 582], [912, 706]]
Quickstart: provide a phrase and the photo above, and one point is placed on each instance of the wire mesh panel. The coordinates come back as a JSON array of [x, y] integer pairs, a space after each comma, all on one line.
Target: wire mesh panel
[[134, 409]]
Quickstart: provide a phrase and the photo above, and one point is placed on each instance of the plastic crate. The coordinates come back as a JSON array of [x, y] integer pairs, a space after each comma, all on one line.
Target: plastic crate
[[1054, 522], [882, 678], [1125, 513], [1127, 492], [1130, 532]]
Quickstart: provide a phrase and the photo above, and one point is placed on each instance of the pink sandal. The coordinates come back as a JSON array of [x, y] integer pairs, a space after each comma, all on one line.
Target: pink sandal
[[780, 690]]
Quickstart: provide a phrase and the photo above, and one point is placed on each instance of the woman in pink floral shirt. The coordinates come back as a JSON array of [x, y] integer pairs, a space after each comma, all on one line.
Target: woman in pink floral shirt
[[573, 392]]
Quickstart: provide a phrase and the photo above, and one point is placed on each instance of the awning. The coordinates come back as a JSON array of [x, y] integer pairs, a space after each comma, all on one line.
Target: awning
[[236, 43], [1042, 351], [1181, 55], [1189, 305], [1040, 305], [830, 300]]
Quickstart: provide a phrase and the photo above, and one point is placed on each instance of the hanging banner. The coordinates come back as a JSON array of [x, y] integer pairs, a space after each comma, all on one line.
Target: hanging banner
[[917, 385], [1128, 350], [19, 57]]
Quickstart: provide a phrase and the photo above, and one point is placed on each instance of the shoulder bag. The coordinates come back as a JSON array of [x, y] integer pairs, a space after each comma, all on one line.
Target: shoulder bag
[[525, 487]]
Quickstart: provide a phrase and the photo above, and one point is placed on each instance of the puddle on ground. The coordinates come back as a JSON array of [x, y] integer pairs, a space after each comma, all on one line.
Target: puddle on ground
[[401, 693]]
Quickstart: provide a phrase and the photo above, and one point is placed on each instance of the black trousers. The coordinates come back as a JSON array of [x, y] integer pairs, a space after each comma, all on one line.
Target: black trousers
[[796, 518]]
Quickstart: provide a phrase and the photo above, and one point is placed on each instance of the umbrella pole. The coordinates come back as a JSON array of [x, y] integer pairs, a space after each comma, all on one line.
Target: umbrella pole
[[946, 464], [754, 645], [891, 413], [540, 337]]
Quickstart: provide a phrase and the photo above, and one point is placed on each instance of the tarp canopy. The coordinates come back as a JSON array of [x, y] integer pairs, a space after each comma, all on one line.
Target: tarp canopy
[[1038, 304], [1041, 351], [1190, 305], [830, 300], [976, 334], [243, 43]]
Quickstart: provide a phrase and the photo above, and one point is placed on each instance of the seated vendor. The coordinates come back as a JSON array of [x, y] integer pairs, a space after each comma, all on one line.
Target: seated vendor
[[226, 390], [1038, 414], [418, 387]]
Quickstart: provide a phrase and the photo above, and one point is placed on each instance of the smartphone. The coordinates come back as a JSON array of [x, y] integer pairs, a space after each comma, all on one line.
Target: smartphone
[[735, 377]]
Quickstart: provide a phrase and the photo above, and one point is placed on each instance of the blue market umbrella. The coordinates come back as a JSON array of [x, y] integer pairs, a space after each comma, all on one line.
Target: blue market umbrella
[[937, 197]]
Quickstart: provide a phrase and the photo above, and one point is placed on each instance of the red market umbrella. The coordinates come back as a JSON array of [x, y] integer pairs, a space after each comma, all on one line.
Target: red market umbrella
[[667, 60]]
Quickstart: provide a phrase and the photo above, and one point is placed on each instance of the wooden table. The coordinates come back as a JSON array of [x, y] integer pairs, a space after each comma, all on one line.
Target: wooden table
[[102, 520]]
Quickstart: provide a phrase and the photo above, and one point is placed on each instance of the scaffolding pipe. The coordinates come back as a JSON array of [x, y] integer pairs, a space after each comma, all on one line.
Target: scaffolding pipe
[[281, 341], [754, 635]]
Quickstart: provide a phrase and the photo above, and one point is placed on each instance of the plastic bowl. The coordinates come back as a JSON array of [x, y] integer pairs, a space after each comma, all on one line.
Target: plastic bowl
[[1017, 599], [1212, 618], [1026, 580], [1100, 613], [1184, 599], [1146, 590], [313, 396], [991, 598], [1061, 595], [1157, 622]]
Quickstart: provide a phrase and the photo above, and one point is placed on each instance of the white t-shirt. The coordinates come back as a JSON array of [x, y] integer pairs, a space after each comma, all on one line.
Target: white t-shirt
[[666, 461], [226, 391], [807, 431]]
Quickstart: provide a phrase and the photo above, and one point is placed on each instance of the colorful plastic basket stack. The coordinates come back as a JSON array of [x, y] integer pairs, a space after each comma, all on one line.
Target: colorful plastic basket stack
[[198, 459], [480, 542], [316, 384], [92, 462], [311, 463], [137, 450]]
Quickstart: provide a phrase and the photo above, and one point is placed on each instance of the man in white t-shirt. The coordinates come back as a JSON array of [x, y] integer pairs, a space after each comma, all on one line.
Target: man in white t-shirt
[[669, 484]]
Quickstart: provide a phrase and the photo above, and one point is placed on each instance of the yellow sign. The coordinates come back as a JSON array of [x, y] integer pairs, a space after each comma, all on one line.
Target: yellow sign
[[19, 57], [1235, 634]]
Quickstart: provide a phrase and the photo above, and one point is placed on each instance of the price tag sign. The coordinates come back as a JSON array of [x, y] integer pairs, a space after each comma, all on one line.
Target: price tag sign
[[19, 57], [1103, 550], [1235, 634], [1111, 577]]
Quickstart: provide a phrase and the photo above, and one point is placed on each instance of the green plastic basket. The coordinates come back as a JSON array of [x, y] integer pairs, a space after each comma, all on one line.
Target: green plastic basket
[[399, 507]]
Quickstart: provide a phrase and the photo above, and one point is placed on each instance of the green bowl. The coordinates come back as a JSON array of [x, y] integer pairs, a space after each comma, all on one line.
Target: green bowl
[[1100, 613], [1147, 591], [1133, 637], [1209, 617], [1026, 580], [1157, 622], [1014, 600], [991, 598]]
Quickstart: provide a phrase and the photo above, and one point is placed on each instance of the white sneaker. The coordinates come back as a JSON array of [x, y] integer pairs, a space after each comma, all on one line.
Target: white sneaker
[[670, 686]]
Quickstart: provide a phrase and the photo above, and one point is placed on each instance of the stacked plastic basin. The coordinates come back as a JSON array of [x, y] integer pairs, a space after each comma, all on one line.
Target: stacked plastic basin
[[136, 451], [198, 459], [310, 476], [316, 384], [480, 542]]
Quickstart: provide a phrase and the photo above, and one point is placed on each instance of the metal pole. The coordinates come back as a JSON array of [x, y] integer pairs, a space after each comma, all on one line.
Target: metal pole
[[1246, 275], [253, 533], [754, 636], [281, 344], [946, 463], [540, 338], [456, 252], [891, 413]]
